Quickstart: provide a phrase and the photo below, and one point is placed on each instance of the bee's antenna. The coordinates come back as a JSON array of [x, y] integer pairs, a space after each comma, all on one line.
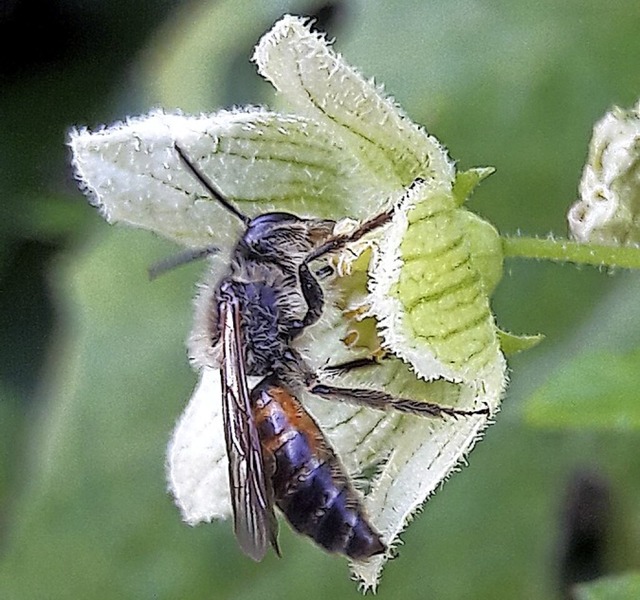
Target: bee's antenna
[[209, 185], [177, 260]]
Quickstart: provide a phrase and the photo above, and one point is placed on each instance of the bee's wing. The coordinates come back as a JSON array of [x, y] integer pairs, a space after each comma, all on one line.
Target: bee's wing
[[251, 495]]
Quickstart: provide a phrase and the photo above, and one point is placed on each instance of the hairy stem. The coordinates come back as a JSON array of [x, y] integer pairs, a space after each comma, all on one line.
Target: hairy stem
[[563, 250]]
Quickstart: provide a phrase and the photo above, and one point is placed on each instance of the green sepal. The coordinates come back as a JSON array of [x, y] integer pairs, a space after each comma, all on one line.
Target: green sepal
[[512, 344], [467, 181]]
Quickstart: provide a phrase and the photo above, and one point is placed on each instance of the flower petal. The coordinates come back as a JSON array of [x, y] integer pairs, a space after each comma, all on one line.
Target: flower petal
[[316, 82], [197, 467], [428, 294], [608, 211], [260, 160]]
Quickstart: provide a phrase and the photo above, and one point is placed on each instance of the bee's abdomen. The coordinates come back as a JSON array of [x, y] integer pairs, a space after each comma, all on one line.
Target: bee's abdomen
[[309, 483]]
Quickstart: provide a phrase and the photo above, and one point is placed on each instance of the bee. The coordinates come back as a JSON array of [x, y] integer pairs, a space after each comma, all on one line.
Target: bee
[[278, 455]]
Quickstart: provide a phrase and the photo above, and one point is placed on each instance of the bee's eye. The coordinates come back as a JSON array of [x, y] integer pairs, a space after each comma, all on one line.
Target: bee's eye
[[259, 236], [271, 218]]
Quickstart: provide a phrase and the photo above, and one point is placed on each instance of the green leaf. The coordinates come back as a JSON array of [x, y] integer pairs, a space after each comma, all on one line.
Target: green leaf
[[594, 391], [619, 587]]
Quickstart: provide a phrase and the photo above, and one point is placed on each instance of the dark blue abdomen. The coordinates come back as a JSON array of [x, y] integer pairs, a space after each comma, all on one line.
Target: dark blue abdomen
[[309, 483]]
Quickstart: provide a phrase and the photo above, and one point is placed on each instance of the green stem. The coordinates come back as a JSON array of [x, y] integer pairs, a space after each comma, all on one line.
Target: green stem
[[562, 250]]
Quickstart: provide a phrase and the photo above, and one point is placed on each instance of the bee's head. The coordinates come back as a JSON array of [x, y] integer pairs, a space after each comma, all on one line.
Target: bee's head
[[279, 235]]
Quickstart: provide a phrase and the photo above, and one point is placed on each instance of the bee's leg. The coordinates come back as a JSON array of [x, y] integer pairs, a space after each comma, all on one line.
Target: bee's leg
[[382, 401], [313, 295], [350, 365], [299, 373], [340, 241]]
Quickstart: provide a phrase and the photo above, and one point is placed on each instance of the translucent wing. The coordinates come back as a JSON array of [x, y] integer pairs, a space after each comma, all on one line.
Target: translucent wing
[[251, 496]]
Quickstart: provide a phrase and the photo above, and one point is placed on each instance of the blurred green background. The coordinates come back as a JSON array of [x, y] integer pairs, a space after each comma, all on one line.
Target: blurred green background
[[93, 369]]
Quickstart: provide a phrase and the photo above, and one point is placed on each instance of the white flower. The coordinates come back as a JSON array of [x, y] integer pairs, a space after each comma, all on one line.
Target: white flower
[[417, 291], [608, 211]]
